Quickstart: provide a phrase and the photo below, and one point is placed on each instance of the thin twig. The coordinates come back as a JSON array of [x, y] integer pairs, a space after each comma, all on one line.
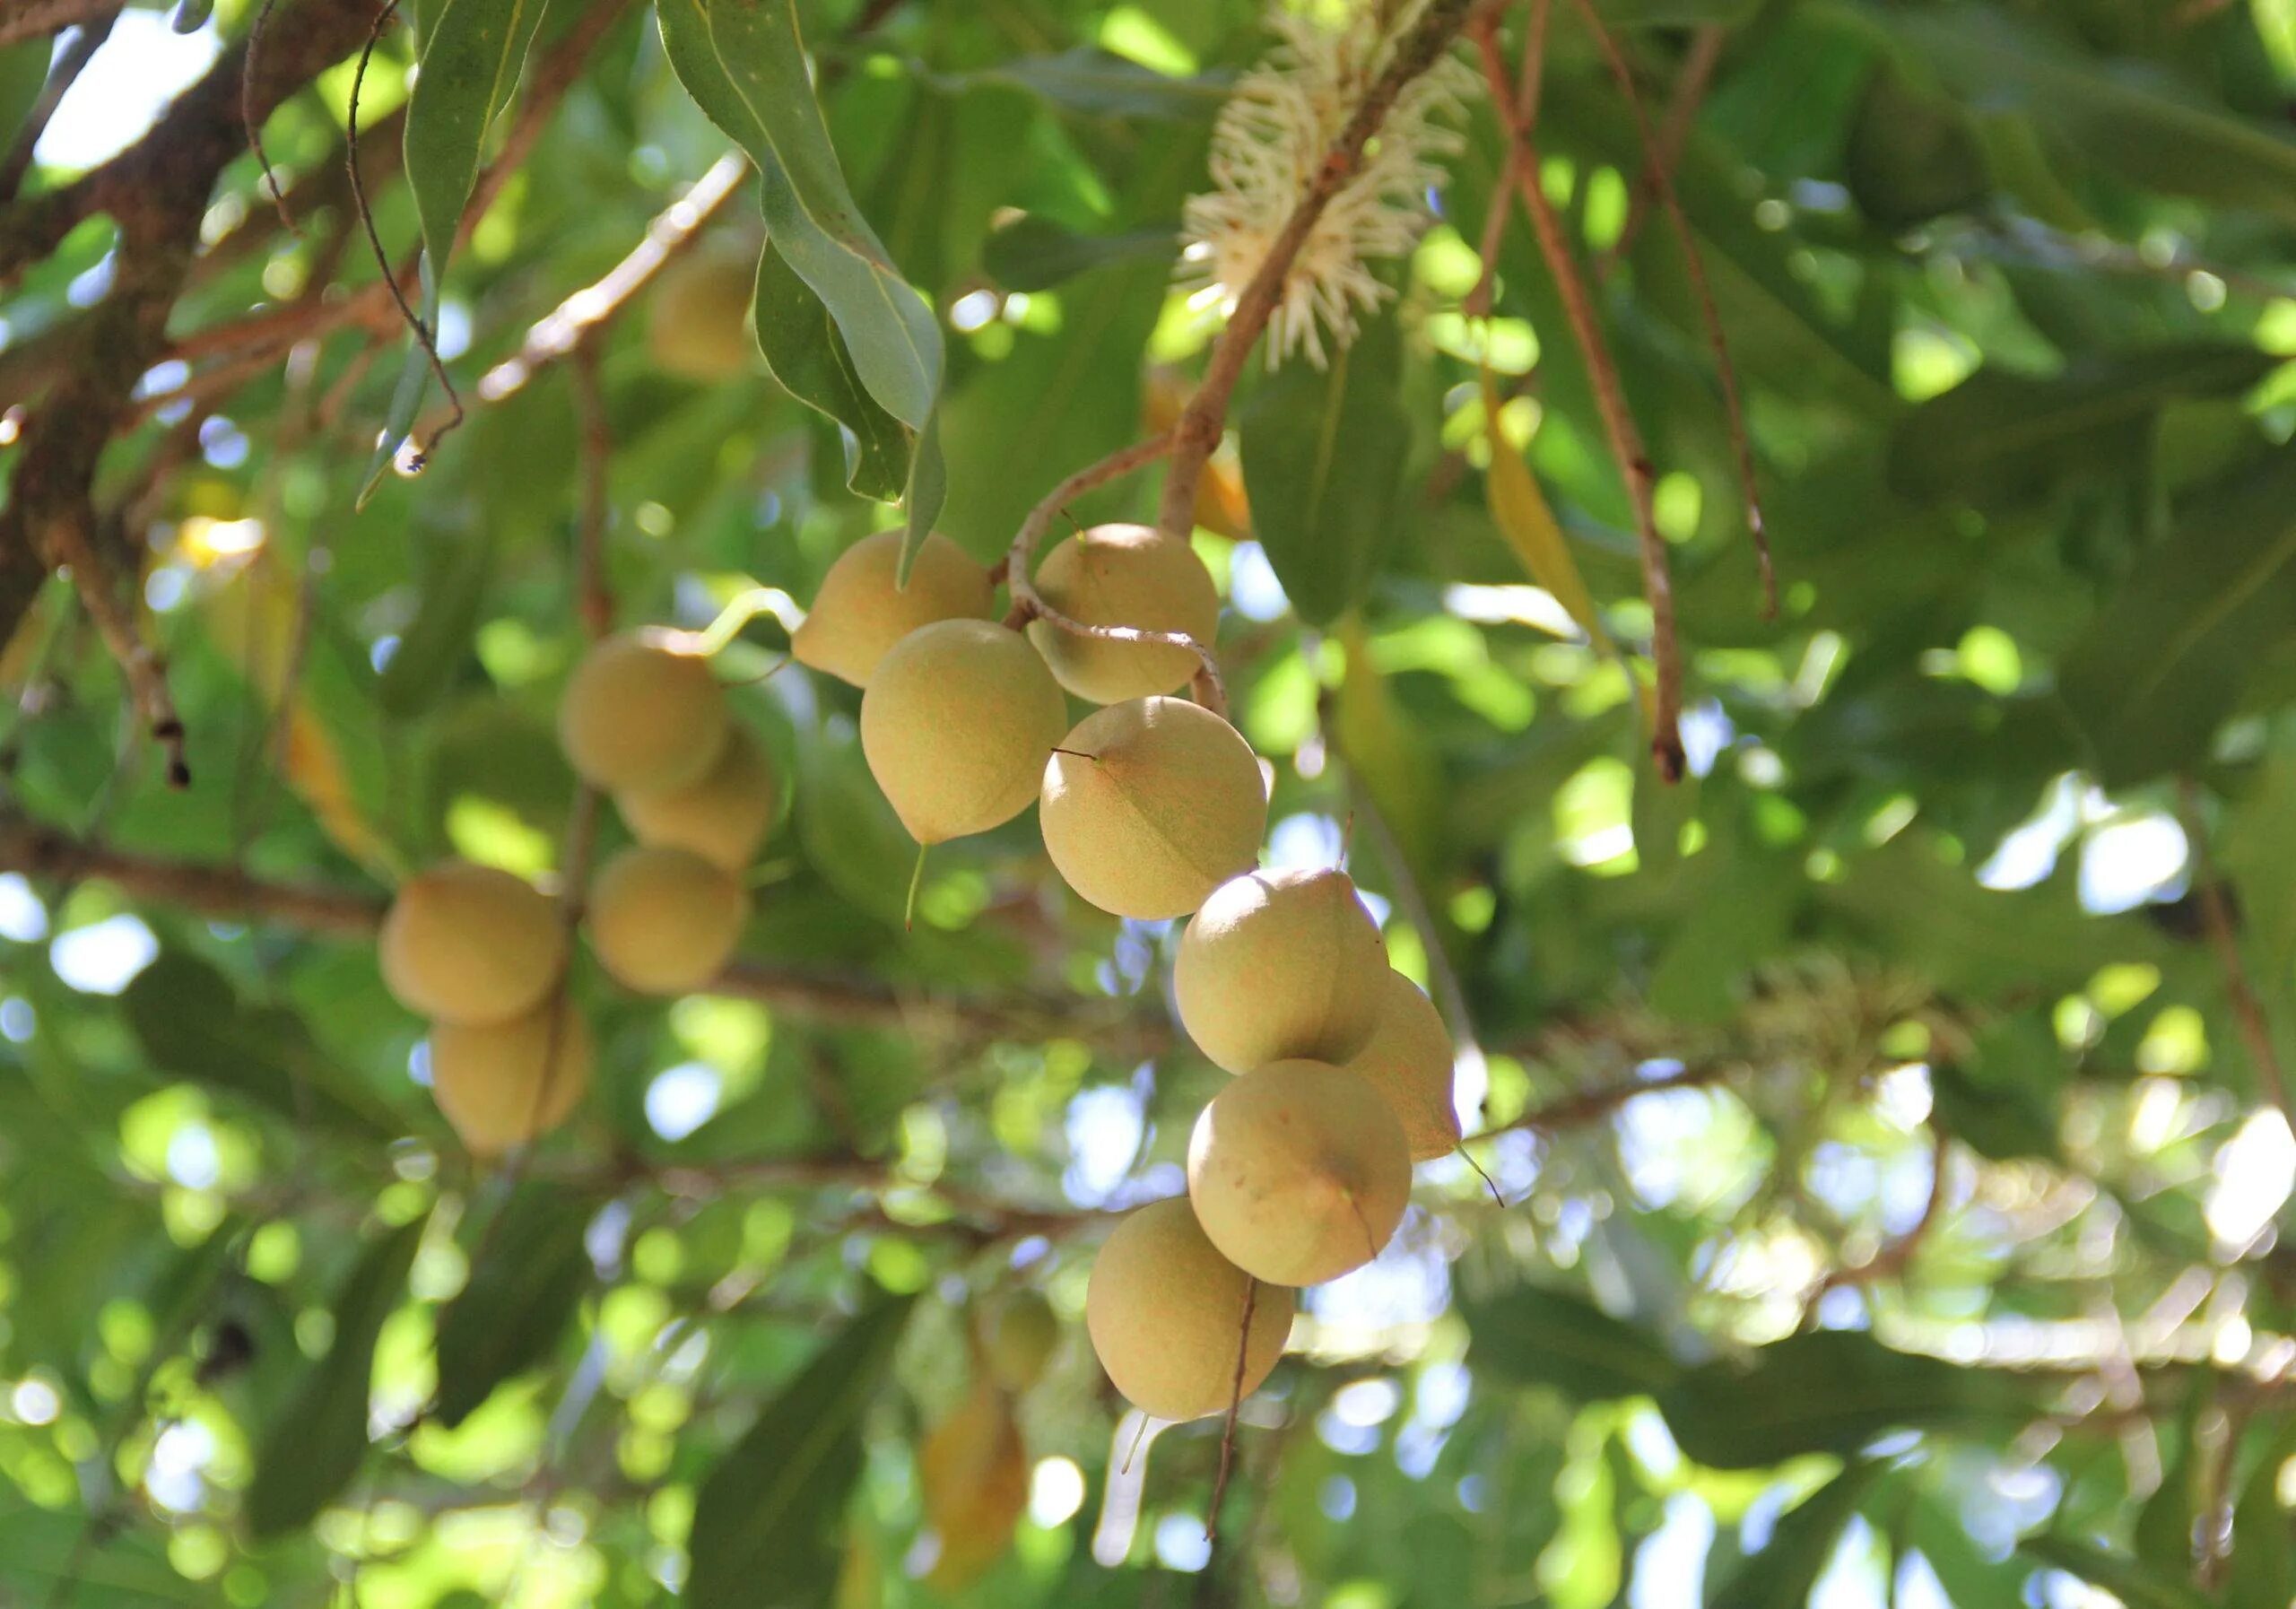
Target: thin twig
[[374, 240], [2248, 1010], [1625, 437], [593, 602], [1027, 604], [1699, 63], [1658, 170], [255, 122], [1235, 1407], [1892, 1261], [1592, 1106], [811, 994], [61, 77], [574, 320]]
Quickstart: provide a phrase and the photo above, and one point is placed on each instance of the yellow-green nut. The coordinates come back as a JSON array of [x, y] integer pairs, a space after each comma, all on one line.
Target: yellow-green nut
[[1409, 1059], [1166, 1310], [664, 921], [639, 716], [1298, 1172], [956, 726], [504, 1083], [1125, 575], [471, 943], [1150, 804], [861, 610], [723, 817], [1279, 964]]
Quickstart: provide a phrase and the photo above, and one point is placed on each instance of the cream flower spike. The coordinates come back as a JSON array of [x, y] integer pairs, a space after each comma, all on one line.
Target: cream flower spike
[[1271, 138]]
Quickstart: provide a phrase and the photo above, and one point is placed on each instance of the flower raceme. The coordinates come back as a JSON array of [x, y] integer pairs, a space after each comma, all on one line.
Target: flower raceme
[[1270, 140]]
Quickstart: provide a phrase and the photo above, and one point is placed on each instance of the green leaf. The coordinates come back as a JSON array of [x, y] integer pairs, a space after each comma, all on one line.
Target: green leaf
[[1912, 156], [926, 494], [2127, 115], [1323, 452], [318, 1438], [472, 52], [2261, 828], [1830, 1391], [1033, 252], [406, 402], [1783, 1575], [1535, 1336], [44, 1558], [2000, 438], [523, 1291], [2130, 1581], [1675, 14], [2263, 1573], [433, 647], [191, 15], [1100, 83], [808, 355], [767, 1520], [2170, 654], [744, 65], [192, 1024]]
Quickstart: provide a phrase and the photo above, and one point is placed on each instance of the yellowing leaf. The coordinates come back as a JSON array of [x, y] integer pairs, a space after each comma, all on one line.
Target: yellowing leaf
[[1519, 509], [1389, 756], [975, 1476], [253, 620]]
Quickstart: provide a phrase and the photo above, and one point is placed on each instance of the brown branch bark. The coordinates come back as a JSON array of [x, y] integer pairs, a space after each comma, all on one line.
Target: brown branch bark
[[1592, 1106], [1625, 437], [61, 77], [830, 998], [156, 191], [31, 19], [1658, 170], [2216, 915]]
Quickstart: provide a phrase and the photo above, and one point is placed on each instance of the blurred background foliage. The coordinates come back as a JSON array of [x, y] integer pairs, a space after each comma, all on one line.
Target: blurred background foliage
[[1936, 1264]]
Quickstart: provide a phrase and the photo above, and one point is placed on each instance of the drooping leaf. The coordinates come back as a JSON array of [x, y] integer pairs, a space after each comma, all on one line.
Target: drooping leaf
[[2136, 1585], [1912, 156], [1830, 1391], [2131, 116], [766, 1518], [1323, 452], [521, 1293], [1782, 1575], [471, 55], [318, 1438], [2000, 438], [1100, 84], [1033, 252], [745, 67], [2169, 656], [432, 647], [1520, 511], [807, 353], [1534, 1336], [924, 496], [973, 1472], [192, 1024]]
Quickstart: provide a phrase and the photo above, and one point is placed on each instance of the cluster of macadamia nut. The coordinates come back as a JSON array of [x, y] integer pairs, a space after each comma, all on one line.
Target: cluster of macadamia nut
[[1153, 807], [483, 953]]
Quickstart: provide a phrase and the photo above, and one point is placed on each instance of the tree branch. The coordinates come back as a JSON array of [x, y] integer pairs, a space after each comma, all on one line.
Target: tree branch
[[1592, 1106], [832, 999], [61, 77], [156, 191], [31, 19], [1625, 437]]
